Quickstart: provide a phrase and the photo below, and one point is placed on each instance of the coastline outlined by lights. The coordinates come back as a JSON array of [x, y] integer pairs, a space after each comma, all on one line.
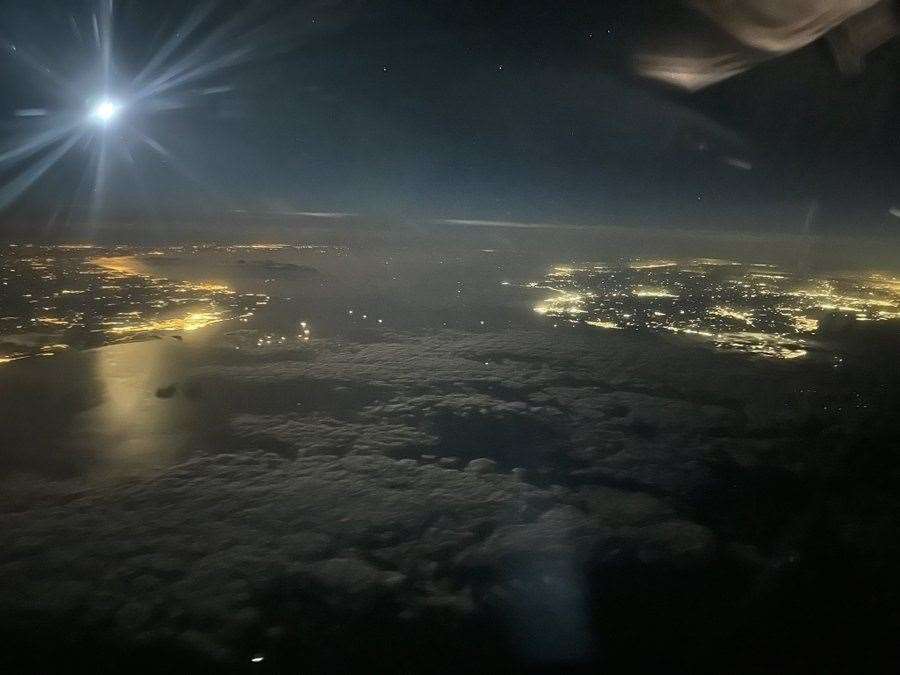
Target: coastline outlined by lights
[[73, 295]]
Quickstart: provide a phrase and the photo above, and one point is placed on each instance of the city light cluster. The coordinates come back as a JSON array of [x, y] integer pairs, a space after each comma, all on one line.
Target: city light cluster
[[748, 307]]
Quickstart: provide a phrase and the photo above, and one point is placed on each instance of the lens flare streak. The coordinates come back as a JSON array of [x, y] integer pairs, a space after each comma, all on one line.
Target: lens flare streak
[[111, 119]]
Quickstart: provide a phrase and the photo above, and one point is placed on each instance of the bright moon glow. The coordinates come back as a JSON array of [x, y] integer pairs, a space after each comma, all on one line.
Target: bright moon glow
[[86, 124], [106, 110]]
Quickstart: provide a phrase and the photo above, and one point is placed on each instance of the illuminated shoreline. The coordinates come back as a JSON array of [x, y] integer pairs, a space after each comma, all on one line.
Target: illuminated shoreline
[[71, 297]]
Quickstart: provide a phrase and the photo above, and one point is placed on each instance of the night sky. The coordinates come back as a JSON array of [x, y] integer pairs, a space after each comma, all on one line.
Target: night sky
[[513, 111]]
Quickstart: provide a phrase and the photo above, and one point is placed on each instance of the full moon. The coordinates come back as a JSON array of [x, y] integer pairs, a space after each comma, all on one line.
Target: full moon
[[106, 110]]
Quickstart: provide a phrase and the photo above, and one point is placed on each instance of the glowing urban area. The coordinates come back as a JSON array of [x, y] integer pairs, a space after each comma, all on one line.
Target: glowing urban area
[[58, 297]]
